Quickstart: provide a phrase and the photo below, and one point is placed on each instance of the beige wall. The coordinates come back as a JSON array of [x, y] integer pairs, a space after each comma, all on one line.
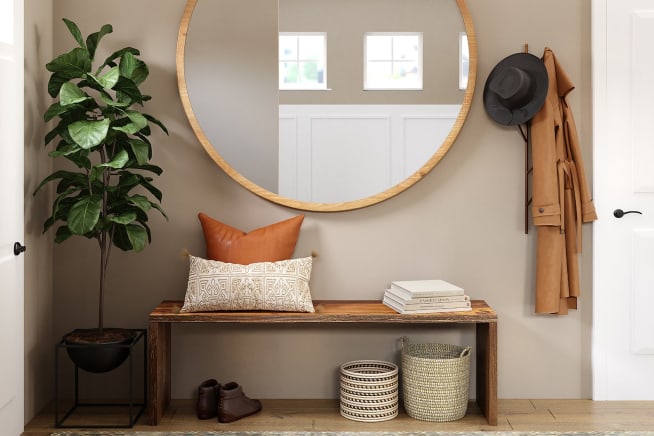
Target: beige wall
[[39, 316], [463, 223]]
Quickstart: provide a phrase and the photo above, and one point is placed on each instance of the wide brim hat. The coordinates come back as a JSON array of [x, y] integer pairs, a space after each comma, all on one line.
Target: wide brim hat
[[516, 89]]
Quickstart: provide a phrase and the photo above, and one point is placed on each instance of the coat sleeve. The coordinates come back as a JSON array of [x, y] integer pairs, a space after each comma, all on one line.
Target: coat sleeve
[[546, 204], [588, 213]]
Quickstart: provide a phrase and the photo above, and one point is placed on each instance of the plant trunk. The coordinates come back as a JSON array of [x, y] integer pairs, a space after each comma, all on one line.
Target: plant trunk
[[105, 246], [105, 251], [103, 268]]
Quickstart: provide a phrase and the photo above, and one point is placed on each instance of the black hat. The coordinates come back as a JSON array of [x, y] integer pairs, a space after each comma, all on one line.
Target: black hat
[[516, 89]]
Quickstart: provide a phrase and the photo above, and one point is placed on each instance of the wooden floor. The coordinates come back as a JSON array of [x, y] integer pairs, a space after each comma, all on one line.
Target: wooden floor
[[323, 415]]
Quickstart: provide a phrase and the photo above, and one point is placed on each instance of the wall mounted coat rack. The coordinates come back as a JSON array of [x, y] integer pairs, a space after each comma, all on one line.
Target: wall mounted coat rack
[[515, 91]]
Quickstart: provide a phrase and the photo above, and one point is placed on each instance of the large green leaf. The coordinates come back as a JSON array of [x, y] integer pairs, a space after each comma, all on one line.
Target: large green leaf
[[142, 150], [144, 132], [145, 182], [96, 174], [108, 80], [106, 98], [61, 174], [61, 129], [54, 84], [156, 206], [123, 218], [127, 91], [118, 161], [52, 134], [68, 187], [151, 168], [126, 182], [131, 180], [147, 230], [133, 68], [137, 122], [66, 150], [74, 30], [84, 215], [141, 202], [80, 159], [48, 223], [71, 94], [60, 208], [63, 233], [89, 133], [137, 236], [54, 110], [72, 65], [157, 122], [127, 64], [93, 39], [130, 236], [118, 54]]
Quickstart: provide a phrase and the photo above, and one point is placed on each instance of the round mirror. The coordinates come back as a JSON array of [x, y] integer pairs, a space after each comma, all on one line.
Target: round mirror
[[326, 105]]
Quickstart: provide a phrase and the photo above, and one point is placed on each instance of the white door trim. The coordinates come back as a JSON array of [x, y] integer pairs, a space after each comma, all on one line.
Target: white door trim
[[598, 56]]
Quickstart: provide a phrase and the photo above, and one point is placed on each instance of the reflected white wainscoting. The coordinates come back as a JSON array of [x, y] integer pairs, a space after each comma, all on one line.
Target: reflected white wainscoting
[[336, 153]]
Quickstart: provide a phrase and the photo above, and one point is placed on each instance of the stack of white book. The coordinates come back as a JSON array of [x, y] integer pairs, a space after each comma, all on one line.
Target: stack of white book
[[426, 296]]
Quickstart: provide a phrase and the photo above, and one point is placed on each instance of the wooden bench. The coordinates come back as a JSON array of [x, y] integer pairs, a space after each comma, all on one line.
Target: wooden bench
[[355, 312]]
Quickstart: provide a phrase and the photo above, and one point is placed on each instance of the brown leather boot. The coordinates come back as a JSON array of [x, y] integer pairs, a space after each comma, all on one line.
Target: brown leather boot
[[233, 404], [208, 399]]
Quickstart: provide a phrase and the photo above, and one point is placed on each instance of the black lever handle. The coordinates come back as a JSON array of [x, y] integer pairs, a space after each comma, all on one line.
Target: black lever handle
[[19, 248], [619, 213]]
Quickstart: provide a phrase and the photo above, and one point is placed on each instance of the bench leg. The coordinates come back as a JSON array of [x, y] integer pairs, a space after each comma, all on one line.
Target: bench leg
[[158, 370], [487, 370]]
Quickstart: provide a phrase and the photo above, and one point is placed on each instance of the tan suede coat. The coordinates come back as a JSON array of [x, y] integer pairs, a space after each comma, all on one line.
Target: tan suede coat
[[561, 199]]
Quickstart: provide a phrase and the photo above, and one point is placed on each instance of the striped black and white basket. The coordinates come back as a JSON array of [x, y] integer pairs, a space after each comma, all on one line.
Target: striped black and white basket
[[369, 390]]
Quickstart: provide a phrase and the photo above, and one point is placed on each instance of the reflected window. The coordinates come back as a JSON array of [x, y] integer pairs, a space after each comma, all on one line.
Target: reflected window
[[302, 61], [393, 60], [464, 61]]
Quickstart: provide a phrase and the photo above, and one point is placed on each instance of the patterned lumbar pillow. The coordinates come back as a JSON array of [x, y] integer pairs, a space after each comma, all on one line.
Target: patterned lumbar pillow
[[275, 286]]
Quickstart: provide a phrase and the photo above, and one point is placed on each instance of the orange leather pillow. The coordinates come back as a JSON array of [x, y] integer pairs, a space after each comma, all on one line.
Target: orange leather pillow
[[267, 244]]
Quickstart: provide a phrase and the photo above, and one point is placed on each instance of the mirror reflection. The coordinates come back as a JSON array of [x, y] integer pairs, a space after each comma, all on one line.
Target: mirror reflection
[[325, 104]]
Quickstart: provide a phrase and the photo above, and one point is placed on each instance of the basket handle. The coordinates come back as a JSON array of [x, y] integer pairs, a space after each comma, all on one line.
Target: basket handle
[[465, 352], [404, 340]]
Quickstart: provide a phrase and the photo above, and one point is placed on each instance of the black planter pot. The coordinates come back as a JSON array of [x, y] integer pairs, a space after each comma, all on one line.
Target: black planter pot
[[98, 356]]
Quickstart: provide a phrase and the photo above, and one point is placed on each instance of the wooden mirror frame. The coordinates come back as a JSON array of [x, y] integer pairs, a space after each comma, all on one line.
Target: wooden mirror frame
[[327, 207]]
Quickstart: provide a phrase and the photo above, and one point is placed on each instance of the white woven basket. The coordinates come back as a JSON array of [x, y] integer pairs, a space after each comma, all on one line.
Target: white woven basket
[[369, 390], [435, 380]]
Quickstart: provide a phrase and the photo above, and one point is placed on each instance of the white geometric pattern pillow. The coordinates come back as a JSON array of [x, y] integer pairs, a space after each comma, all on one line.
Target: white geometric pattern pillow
[[274, 286]]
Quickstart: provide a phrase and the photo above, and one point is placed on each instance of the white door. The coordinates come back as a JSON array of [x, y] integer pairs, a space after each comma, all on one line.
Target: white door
[[11, 217], [623, 248]]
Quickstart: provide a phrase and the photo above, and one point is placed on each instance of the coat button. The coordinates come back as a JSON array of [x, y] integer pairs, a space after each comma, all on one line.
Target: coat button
[[541, 210]]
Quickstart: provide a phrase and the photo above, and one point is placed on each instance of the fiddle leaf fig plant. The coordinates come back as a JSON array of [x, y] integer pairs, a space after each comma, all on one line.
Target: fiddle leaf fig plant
[[100, 129]]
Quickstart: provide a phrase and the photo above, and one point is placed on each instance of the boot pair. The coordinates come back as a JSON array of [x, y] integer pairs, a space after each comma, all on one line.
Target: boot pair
[[228, 402]]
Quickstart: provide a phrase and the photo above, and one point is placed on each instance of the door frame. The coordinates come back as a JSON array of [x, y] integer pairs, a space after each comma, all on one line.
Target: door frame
[[599, 98]]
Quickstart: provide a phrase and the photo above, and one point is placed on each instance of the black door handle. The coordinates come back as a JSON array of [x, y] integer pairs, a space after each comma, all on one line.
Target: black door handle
[[619, 213], [19, 248]]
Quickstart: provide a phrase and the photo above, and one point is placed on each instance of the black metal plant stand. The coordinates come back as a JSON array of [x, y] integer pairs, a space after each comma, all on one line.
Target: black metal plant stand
[[135, 409]]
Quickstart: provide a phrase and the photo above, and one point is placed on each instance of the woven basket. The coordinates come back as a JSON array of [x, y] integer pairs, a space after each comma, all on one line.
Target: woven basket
[[369, 390], [435, 381]]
